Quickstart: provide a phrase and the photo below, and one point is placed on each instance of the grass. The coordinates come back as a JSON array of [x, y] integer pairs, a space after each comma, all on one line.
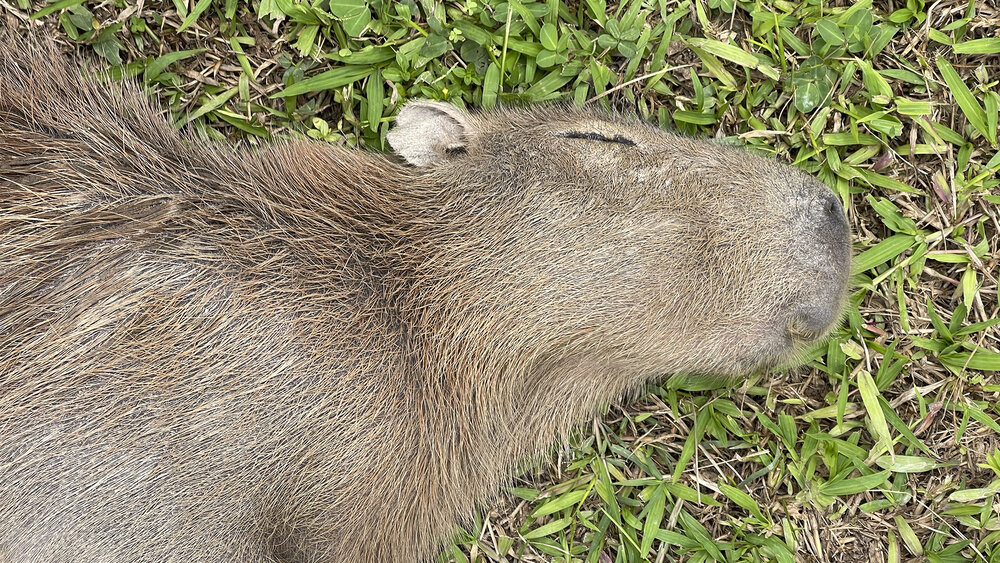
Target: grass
[[886, 445]]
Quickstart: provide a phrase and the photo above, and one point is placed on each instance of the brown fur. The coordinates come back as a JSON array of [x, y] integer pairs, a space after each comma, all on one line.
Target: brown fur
[[306, 353]]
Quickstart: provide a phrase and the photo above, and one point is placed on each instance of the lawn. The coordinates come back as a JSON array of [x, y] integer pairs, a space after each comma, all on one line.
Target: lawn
[[886, 445]]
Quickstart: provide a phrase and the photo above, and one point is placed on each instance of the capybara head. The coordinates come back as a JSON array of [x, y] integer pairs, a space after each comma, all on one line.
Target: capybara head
[[658, 253]]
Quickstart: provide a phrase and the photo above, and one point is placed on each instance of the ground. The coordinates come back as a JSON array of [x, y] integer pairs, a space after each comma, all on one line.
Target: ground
[[886, 445]]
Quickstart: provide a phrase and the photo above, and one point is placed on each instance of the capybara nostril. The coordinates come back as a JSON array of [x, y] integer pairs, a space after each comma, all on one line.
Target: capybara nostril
[[832, 207], [833, 210], [825, 213]]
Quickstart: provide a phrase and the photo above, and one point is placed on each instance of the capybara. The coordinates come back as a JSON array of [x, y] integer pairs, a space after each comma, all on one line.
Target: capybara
[[308, 353]]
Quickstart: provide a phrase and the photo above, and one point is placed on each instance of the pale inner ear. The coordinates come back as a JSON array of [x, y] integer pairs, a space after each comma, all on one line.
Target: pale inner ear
[[427, 132]]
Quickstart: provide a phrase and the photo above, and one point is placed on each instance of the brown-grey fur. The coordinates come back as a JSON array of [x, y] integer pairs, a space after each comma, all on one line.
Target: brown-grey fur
[[306, 353]]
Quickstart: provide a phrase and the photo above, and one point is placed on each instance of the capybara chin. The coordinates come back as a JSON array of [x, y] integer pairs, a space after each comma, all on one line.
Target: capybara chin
[[306, 353]]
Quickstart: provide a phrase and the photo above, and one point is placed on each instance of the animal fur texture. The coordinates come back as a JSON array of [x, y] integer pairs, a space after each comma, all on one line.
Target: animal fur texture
[[306, 353]]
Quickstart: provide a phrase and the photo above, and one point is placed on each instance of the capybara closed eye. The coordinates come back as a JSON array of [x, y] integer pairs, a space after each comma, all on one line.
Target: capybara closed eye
[[306, 353]]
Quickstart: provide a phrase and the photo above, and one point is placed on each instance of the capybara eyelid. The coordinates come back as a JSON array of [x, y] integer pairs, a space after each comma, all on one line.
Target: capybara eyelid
[[598, 137]]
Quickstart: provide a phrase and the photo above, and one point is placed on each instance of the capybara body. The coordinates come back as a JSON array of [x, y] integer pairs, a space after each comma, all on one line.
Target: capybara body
[[306, 353]]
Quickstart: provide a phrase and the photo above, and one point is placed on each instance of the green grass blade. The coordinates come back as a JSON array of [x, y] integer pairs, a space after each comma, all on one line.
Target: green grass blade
[[883, 252], [333, 78], [985, 46], [55, 7], [856, 485], [877, 423], [963, 96]]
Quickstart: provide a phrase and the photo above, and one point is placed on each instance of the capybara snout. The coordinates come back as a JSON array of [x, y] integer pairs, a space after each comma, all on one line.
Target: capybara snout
[[304, 353], [823, 252], [822, 307]]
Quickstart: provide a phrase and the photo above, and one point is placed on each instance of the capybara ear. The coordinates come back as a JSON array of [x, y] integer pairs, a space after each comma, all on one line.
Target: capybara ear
[[427, 132]]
